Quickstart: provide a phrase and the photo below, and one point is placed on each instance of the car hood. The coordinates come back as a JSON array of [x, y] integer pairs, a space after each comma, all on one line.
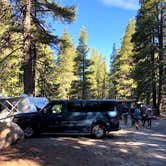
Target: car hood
[[29, 114]]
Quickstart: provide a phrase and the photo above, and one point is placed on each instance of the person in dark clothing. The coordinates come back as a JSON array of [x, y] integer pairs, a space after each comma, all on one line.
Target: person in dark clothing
[[125, 114], [123, 111], [132, 116], [137, 116], [144, 115], [120, 110]]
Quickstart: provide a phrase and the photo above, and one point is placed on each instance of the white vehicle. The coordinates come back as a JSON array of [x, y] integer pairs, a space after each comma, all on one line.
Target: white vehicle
[[10, 106]]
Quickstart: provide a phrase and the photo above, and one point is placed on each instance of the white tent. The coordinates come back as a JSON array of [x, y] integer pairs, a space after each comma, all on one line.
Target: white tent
[[10, 106]]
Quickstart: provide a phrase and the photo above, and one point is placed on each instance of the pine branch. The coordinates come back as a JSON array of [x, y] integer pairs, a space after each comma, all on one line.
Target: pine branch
[[65, 13], [7, 56], [45, 36]]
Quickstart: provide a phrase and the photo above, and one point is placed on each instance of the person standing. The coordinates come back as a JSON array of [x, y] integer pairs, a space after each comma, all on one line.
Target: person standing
[[137, 116], [132, 115], [125, 114]]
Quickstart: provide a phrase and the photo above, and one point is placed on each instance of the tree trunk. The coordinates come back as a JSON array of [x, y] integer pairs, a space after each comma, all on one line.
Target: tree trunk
[[34, 55], [154, 92], [160, 37], [34, 68], [84, 79], [28, 78]]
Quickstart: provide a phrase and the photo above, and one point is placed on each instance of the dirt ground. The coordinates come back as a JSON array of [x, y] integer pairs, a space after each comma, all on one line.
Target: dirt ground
[[127, 147]]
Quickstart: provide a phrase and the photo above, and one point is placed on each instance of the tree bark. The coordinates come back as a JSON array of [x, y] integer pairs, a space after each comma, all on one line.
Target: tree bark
[[161, 40], [84, 79], [34, 58], [154, 91], [28, 78]]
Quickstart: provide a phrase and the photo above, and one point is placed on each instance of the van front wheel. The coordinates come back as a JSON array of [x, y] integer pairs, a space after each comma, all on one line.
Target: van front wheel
[[28, 131], [98, 131]]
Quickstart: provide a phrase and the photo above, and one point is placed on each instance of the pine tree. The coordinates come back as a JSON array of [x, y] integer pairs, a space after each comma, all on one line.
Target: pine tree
[[111, 83], [45, 72], [161, 20], [104, 79], [94, 69], [65, 67], [123, 65], [81, 86], [32, 13], [99, 76], [149, 47], [112, 56], [10, 51]]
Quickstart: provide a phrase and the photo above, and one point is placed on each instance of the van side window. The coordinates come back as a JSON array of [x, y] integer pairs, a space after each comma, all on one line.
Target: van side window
[[74, 107], [90, 106], [97, 106], [106, 106]]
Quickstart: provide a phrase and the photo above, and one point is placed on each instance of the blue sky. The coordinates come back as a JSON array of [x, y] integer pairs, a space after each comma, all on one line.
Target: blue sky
[[104, 20]]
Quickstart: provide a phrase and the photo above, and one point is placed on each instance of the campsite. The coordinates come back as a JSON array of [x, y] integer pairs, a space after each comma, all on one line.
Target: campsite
[[82, 82]]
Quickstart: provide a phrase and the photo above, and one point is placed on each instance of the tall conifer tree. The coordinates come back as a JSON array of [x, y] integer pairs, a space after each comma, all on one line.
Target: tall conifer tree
[[65, 67], [149, 48], [99, 76], [10, 53], [123, 65], [81, 87], [94, 77], [111, 83], [45, 72], [31, 13], [112, 56]]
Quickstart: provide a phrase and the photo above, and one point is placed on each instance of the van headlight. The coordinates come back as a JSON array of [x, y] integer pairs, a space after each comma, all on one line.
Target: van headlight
[[112, 113]]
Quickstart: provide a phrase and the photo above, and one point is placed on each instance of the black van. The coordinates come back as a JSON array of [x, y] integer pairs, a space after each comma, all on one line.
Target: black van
[[96, 117]]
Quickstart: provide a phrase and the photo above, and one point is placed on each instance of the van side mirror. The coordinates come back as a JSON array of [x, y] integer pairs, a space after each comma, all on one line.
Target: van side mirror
[[44, 111]]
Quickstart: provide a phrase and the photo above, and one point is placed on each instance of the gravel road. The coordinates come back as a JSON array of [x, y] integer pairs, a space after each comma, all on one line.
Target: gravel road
[[127, 147]]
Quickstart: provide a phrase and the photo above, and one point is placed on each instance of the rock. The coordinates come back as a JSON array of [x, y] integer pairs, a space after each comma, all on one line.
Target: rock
[[10, 133]]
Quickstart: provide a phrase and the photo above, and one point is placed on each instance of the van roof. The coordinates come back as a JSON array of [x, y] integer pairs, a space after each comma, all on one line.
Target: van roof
[[91, 100]]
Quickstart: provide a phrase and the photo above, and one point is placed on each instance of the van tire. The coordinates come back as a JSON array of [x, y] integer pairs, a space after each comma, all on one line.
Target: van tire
[[98, 131], [28, 131]]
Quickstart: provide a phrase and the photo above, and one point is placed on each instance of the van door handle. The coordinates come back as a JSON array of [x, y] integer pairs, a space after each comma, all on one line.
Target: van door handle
[[59, 116]]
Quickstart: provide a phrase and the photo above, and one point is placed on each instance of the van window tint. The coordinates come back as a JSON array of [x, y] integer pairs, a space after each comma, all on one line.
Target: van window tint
[[98, 106], [74, 106], [106, 106], [90, 106]]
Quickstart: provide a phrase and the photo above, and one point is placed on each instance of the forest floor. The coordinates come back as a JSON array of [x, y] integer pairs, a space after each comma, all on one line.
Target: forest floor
[[127, 147]]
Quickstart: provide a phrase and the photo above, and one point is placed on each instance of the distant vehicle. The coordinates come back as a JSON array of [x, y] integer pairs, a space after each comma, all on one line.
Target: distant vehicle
[[96, 117]]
